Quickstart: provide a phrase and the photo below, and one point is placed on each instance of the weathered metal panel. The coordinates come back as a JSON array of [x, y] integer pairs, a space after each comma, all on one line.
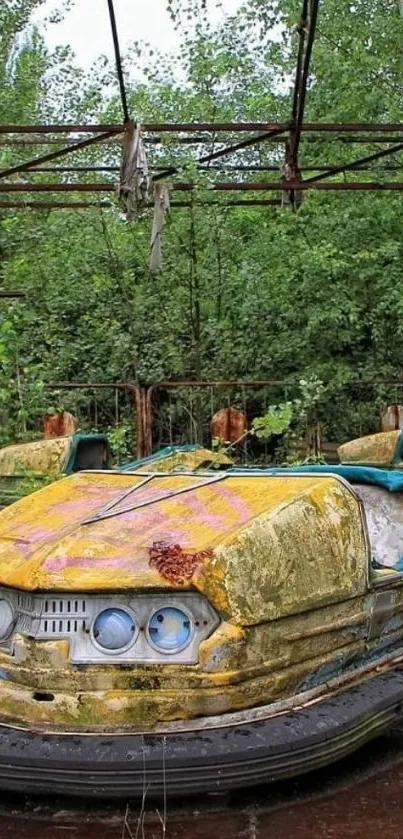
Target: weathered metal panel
[[374, 450], [384, 517], [46, 457], [278, 545]]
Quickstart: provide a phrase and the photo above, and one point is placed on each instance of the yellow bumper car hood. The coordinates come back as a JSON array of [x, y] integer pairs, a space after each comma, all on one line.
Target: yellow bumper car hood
[[258, 547]]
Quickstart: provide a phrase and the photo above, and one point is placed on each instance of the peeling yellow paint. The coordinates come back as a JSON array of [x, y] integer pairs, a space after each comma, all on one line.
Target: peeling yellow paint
[[46, 457], [238, 668], [374, 450], [144, 707], [254, 526], [188, 459], [288, 575]]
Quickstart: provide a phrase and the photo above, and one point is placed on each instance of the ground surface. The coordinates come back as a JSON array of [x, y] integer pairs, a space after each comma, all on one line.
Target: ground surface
[[360, 797]]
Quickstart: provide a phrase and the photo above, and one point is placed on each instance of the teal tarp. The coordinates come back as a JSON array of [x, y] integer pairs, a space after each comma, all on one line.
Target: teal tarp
[[388, 479], [391, 480]]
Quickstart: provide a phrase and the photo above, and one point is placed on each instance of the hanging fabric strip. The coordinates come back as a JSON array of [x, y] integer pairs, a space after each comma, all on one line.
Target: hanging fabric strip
[[161, 208], [134, 176]]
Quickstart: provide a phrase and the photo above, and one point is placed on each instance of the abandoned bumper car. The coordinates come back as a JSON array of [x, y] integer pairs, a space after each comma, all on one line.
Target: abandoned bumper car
[[183, 632]]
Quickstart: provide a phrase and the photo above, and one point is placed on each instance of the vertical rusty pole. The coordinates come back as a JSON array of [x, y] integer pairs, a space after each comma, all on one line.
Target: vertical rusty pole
[[138, 404], [143, 406], [149, 420]]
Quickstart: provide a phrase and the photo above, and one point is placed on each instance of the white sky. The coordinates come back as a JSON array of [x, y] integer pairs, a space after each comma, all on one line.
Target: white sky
[[86, 26]]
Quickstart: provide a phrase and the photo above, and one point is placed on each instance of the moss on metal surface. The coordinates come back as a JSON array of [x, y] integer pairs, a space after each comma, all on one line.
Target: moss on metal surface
[[384, 450], [287, 570]]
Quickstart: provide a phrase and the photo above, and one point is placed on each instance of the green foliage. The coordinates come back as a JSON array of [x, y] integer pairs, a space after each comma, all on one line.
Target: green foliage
[[312, 298], [276, 420], [119, 440]]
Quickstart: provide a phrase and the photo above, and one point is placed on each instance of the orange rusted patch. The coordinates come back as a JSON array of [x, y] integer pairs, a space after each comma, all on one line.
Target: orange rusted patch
[[228, 425], [60, 424], [175, 564]]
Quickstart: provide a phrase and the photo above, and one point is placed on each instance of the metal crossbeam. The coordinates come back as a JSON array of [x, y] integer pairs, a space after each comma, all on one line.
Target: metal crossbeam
[[84, 144], [207, 133], [212, 127], [84, 205], [269, 186]]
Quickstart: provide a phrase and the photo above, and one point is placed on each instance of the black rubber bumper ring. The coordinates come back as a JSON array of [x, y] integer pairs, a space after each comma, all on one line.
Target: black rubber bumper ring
[[200, 761]]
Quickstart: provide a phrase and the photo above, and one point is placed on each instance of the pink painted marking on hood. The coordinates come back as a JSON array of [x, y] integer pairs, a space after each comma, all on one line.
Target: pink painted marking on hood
[[154, 525]]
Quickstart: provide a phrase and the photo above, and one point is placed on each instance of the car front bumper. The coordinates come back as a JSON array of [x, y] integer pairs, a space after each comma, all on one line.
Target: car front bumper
[[206, 759]]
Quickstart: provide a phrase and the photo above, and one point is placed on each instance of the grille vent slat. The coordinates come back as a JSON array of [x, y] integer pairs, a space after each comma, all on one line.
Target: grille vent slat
[[25, 602], [60, 627], [53, 618], [64, 607]]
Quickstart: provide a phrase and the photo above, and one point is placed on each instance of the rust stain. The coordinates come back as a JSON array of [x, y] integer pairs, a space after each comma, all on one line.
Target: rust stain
[[175, 564], [60, 424], [228, 425]]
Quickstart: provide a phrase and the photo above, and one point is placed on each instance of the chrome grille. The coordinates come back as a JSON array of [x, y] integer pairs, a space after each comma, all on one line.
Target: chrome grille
[[62, 617], [64, 607]]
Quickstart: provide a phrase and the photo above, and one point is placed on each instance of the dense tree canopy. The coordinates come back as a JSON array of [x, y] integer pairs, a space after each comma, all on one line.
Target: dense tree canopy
[[244, 292]]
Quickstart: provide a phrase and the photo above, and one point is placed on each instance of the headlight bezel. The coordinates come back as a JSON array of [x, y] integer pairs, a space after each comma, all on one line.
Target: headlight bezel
[[119, 650], [54, 616], [180, 647], [4, 636]]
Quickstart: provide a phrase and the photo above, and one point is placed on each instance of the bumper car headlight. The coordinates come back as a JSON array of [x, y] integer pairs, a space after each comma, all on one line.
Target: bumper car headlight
[[170, 629], [114, 629], [7, 617]]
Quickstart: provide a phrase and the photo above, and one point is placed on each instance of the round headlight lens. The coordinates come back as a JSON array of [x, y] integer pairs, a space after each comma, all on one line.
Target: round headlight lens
[[169, 629], [6, 618], [114, 629]]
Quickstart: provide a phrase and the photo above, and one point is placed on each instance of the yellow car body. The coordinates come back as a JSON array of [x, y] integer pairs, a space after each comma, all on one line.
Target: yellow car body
[[281, 608]]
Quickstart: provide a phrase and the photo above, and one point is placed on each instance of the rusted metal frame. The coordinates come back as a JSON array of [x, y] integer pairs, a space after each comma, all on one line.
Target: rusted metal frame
[[248, 202], [130, 387], [224, 167], [57, 187], [173, 385], [83, 144], [61, 129], [188, 127], [143, 400], [313, 138], [85, 205], [312, 20], [244, 144], [149, 140], [67, 169], [250, 141], [307, 35], [118, 60], [318, 168], [298, 73], [345, 167], [304, 185], [53, 205], [269, 186]]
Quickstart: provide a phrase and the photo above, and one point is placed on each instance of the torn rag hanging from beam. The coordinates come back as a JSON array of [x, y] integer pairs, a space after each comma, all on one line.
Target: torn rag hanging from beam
[[134, 176], [161, 208]]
